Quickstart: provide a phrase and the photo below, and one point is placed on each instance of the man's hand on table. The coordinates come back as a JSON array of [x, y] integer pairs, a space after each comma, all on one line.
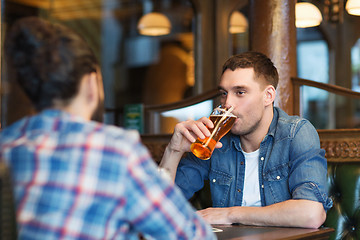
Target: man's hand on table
[[215, 215]]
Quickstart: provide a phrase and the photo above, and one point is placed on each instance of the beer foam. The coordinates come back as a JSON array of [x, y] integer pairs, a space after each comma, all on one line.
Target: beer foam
[[224, 111]]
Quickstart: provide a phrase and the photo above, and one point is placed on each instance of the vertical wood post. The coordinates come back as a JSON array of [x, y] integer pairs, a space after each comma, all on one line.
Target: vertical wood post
[[273, 33]]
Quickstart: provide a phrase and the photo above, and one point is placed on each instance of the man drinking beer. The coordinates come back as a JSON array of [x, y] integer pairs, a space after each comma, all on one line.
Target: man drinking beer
[[268, 170]]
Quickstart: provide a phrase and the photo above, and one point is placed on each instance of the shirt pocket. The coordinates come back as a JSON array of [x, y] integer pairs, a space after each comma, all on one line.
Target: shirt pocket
[[276, 181], [220, 186]]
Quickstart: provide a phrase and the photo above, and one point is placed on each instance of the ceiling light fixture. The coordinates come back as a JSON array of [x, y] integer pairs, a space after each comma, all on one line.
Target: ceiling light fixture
[[353, 7], [154, 24], [307, 15]]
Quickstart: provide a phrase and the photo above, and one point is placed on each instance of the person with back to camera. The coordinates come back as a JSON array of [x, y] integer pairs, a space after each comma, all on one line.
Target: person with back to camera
[[75, 178], [268, 170]]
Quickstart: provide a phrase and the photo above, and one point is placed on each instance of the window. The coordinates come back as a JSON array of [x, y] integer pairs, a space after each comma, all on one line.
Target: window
[[355, 66], [313, 64]]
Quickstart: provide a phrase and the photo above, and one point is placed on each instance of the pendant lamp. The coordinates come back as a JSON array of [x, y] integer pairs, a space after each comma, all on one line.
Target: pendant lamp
[[154, 24], [307, 15], [353, 7]]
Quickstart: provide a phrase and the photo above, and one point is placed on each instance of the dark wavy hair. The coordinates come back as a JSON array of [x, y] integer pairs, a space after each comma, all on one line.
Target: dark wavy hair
[[262, 65], [48, 60]]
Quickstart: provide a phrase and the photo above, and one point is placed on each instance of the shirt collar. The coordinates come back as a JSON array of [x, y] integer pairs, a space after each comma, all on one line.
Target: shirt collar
[[57, 113], [273, 125], [235, 140]]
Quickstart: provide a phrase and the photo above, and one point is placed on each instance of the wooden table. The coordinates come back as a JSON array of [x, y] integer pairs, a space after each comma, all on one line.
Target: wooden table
[[244, 232]]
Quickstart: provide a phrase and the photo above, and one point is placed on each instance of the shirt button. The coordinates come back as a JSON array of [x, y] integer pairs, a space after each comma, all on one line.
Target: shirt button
[[262, 158], [242, 163], [278, 177], [239, 190], [262, 186], [214, 180]]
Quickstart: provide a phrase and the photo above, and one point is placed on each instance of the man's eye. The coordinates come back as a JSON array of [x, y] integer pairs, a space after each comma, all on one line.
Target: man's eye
[[223, 94], [240, 92]]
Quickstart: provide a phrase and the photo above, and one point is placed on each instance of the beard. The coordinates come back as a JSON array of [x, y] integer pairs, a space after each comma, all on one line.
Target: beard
[[98, 114], [245, 130]]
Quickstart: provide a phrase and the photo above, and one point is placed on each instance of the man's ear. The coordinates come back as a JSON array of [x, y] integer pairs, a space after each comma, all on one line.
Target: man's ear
[[92, 87], [269, 95]]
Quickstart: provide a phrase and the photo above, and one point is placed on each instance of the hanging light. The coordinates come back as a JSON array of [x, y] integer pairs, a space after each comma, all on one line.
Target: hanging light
[[353, 7], [238, 23], [307, 15], [154, 24]]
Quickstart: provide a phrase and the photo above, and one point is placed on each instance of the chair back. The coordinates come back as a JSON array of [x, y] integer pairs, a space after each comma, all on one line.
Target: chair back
[[342, 148]]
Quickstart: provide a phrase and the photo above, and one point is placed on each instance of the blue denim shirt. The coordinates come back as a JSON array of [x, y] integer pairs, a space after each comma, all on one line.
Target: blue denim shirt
[[291, 166]]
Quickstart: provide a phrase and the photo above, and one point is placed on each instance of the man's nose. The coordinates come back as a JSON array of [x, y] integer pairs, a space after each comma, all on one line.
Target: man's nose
[[228, 103]]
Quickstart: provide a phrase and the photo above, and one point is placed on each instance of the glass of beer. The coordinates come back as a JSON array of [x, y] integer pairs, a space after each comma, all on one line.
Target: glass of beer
[[223, 120]]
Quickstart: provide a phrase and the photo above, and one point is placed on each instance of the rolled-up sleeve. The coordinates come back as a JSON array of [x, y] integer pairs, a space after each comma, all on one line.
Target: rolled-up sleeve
[[308, 166]]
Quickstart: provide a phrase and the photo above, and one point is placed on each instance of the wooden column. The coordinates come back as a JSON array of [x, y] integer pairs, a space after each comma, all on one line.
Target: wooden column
[[273, 33], [205, 71]]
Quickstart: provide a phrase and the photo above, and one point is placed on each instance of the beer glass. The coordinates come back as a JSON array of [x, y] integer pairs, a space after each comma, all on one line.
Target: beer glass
[[223, 120]]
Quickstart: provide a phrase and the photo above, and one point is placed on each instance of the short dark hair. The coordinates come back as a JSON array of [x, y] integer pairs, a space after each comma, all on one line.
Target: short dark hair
[[262, 65], [49, 60]]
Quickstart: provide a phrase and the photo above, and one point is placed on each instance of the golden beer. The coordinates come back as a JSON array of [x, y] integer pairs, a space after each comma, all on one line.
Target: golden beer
[[203, 148]]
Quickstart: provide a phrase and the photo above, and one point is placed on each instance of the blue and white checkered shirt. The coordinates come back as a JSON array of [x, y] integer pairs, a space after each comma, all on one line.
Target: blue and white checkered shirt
[[76, 179]]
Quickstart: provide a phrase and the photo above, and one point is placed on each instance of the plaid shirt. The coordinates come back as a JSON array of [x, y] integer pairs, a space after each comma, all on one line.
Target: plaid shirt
[[76, 179]]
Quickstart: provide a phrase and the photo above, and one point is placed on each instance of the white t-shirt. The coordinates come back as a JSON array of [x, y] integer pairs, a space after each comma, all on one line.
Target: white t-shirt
[[251, 193]]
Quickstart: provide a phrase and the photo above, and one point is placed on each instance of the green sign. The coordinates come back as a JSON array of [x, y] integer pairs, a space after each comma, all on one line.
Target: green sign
[[134, 117]]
